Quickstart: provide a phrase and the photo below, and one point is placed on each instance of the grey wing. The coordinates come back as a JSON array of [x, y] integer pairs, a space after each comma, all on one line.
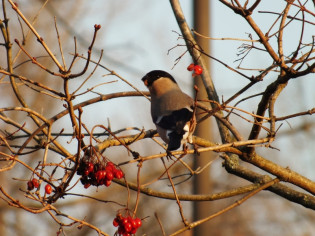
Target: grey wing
[[170, 102]]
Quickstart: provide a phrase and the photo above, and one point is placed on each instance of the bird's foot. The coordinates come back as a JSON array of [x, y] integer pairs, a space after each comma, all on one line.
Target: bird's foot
[[169, 155]]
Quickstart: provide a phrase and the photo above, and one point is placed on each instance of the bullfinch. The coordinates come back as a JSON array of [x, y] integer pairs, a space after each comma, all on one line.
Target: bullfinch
[[172, 110]]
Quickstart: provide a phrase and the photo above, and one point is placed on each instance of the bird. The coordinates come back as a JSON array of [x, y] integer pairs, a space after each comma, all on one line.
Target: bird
[[172, 110]]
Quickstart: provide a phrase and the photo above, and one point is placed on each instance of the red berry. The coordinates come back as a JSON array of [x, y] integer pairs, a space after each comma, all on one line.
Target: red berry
[[30, 185], [124, 221], [191, 67], [115, 222], [118, 174], [110, 164], [197, 70], [138, 222], [128, 227], [109, 175], [107, 182], [48, 189], [99, 176], [110, 168], [35, 183], [90, 167], [133, 223], [87, 185], [129, 218]]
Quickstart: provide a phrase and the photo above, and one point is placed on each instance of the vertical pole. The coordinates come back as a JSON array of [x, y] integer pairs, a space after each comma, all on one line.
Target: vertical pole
[[202, 182]]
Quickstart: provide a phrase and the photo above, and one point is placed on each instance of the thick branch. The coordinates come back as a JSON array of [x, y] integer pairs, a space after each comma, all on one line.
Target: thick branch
[[191, 46]]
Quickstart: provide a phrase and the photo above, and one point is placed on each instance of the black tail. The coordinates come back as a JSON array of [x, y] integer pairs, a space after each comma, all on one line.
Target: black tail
[[175, 141]]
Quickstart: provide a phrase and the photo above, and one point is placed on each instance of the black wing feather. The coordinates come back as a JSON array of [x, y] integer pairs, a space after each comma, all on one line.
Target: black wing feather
[[176, 120]]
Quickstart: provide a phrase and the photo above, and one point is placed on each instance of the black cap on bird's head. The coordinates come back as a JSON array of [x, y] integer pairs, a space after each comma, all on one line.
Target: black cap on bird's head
[[154, 75]]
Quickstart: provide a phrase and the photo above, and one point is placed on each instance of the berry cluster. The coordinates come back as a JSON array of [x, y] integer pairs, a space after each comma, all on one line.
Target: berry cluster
[[127, 226], [32, 184], [98, 173], [196, 68]]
